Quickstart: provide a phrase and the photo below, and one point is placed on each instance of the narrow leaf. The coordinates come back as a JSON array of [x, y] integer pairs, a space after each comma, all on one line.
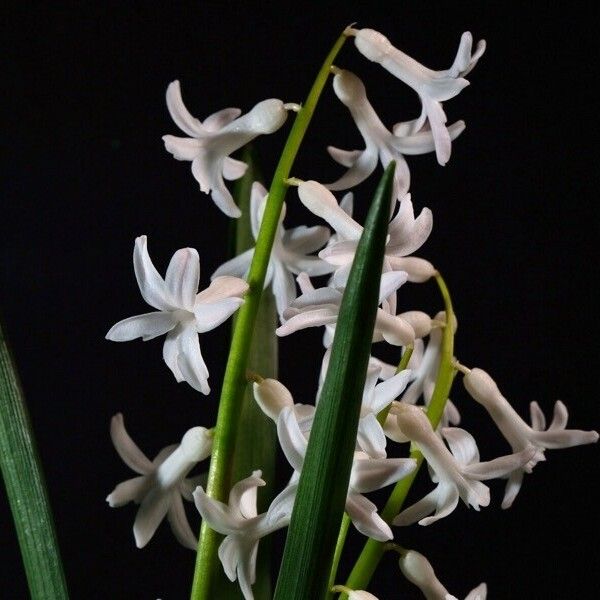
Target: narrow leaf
[[323, 486], [26, 489]]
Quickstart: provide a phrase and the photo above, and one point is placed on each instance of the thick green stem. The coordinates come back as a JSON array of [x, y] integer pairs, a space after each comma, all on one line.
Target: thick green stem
[[373, 550], [26, 488], [234, 382]]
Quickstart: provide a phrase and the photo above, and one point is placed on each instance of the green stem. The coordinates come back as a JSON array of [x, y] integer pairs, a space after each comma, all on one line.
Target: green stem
[[373, 550], [26, 488], [234, 381]]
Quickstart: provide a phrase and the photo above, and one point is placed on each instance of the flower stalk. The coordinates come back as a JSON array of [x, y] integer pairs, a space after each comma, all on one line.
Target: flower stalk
[[234, 382]]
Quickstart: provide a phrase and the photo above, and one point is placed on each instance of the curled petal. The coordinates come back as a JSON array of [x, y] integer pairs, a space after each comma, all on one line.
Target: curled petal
[[538, 421], [221, 288], [180, 524], [180, 114], [560, 417], [242, 497], [220, 119], [366, 519], [127, 449], [310, 318], [218, 515], [462, 444], [152, 285], [182, 148], [373, 474], [513, 486], [190, 361], [291, 440], [132, 490]]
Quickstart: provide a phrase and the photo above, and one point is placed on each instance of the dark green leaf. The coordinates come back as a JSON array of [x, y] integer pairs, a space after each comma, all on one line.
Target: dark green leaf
[[325, 475]]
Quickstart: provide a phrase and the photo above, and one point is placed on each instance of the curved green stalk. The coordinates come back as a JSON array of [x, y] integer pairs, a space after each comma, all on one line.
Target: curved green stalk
[[234, 382], [373, 550], [26, 488]]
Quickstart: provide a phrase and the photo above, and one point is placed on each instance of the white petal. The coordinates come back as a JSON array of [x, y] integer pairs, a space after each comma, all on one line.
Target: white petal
[[390, 282], [179, 113], [408, 234], [395, 330], [419, 509], [501, 466], [564, 438], [179, 523], [560, 417], [389, 390], [447, 500], [309, 318], [363, 166], [208, 316], [147, 326], [190, 361], [437, 121], [218, 515], [208, 172], [183, 275], [219, 119], [151, 512], [182, 148], [370, 436], [346, 158], [372, 474], [419, 270], [365, 518], [418, 570], [171, 351], [222, 287], [321, 202], [513, 485], [462, 444], [284, 286], [339, 253], [422, 141], [152, 285], [538, 420], [127, 449], [305, 240], [236, 267], [242, 497], [291, 440], [479, 593], [132, 490], [229, 555]]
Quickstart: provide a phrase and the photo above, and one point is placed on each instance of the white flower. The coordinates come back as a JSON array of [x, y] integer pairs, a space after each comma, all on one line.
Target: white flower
[[182, 313], [162, 482], [289, 254], [418, 570], [368, 475], [519, 435], [321, 306], [353, 594], [458, 474], [272, 397], [406, 235], [210, 143], [380, 142], [239, 521], [433, 87]]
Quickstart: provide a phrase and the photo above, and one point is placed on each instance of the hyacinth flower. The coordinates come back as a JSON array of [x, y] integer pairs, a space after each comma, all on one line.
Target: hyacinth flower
[[353, 594], [518, 434], [368, 475], [210, 143], [272, 397], [433, 87], [406, 235], [380, 143], [290, 253], [161, 483], [321, 306], [457, 472], [182, 312], [418, 570], [243, 526]]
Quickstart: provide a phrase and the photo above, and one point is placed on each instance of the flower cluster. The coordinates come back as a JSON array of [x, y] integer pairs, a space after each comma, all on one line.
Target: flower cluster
[[394, 404]]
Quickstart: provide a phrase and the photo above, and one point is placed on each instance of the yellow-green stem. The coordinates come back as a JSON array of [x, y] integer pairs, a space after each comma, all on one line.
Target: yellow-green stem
[[234, 383], [373, 550]]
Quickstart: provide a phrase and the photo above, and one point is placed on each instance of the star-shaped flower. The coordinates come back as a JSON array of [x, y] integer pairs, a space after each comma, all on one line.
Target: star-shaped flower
[[239, 521], [368, 475], [458, 474], [380, 142], [418, 570], [519, 435], [406, 235], [210, 143], [289, 255], [433, 87], [162, 482], [182, 313]]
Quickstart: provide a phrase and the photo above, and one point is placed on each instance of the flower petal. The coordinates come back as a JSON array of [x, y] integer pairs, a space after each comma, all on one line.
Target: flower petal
[[513, 485], [305, 240], [242, 497], [370, 436], [221, 288], [147, 326], [236, 267], [180, 524], [233, 169], [183, 276], [132, 490], [462, 444], [408, 234], [389, 390], [479, 593], [221, 118], [190, 361], [560, 417], [308, 318], [151, 284], [291, 440], [216, 514], [366, 519], [447, 500], [346, 158], [208, 172], [501, 466], [179, 113], [425, 506], [127, 449], [361, 168], [284, 286], [208, 316], [272, 397], [151, 512], [372, 474], [171, 351], [182, 148]]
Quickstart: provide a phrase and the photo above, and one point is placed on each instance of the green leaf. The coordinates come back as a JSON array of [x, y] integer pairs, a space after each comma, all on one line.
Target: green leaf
[[323, 485], [26, 489]]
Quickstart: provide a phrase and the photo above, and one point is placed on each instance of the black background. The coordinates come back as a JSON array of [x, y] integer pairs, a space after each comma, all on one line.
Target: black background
[[515, 226]]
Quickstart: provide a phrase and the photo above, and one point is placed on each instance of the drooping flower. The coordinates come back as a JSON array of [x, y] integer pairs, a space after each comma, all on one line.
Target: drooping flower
[[518, 434], [458, 473], [406, 235], [161, 483], [290, 253], [210, 143], [418, 570], [380, 143], [243, 526], [433, 87], [182, 313], [321, 306], [368, 475]]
